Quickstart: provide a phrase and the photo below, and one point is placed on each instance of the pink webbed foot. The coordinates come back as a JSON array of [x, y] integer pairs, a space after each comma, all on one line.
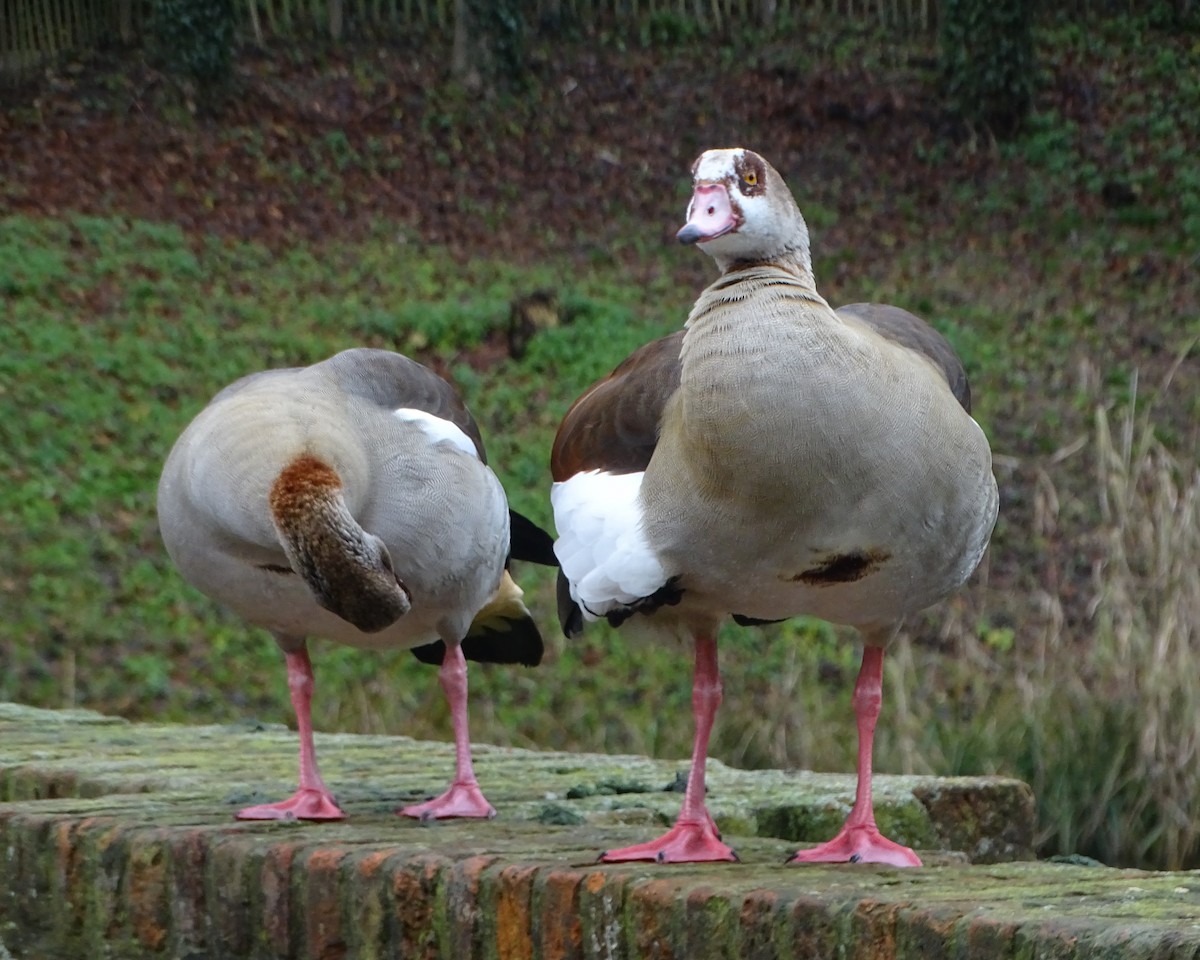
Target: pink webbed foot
[[859, 845], [304, 804], [461, 800], [689, 841]]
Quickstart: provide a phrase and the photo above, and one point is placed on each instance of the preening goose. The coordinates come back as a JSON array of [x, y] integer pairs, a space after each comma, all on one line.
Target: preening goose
[[351, 500], [774, 458]]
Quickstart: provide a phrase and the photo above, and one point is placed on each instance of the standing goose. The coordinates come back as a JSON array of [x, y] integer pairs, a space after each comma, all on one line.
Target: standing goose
[[351, 500], [774, 458]]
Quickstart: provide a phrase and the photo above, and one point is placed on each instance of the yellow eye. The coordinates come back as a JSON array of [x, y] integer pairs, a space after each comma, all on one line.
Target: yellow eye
[[750, 179]]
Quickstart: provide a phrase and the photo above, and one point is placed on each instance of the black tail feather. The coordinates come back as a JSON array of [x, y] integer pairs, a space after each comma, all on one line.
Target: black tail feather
[[529, 542], [570, 616], [516, 641]]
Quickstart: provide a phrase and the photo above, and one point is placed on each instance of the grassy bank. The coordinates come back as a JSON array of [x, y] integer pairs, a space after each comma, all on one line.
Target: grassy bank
[[1071, 659]]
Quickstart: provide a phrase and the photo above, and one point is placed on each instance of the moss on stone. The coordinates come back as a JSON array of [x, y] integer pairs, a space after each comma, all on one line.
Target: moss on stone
[[556, 813], [82, 796]]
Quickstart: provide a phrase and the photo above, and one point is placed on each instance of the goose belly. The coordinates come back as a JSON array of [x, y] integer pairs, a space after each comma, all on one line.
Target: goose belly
[[850, 505], [877, 569]]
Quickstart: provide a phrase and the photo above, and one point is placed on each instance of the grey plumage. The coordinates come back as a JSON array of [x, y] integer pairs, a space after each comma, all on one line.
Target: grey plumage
[[351, 500]]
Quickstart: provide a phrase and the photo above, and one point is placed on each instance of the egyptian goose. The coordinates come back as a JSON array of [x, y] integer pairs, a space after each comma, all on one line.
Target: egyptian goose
[[774, 458], [351, 500]]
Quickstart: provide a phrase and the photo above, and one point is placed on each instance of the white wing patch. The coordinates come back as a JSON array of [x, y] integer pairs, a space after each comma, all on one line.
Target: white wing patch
[[601, 544], [437, 429]]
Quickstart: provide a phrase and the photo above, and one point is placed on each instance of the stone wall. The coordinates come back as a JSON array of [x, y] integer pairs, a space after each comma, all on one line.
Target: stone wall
[[117, 840]]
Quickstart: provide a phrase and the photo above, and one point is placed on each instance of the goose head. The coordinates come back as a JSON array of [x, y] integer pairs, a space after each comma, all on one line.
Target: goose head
[[348, 570], [741, 212]]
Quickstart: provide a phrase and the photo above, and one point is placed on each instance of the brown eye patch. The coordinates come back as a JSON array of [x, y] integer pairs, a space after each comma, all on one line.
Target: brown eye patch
[[752, 174]]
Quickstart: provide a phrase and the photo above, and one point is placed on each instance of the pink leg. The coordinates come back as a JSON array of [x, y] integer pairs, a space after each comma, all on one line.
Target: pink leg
[[464, 798], [859, 840], [694, 837], [312, 801]]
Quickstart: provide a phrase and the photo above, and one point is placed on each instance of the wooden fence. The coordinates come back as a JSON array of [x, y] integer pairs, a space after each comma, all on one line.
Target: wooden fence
[[34, 32]]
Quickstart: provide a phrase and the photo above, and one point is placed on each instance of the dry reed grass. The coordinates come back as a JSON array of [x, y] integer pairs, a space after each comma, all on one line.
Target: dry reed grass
[[1096, 701]]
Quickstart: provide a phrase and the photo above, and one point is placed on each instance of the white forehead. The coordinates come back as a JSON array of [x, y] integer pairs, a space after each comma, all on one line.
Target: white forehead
[[718, 164]]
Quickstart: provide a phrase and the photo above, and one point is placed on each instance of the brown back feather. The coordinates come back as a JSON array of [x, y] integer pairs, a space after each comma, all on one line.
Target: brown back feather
[[614, 425]]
